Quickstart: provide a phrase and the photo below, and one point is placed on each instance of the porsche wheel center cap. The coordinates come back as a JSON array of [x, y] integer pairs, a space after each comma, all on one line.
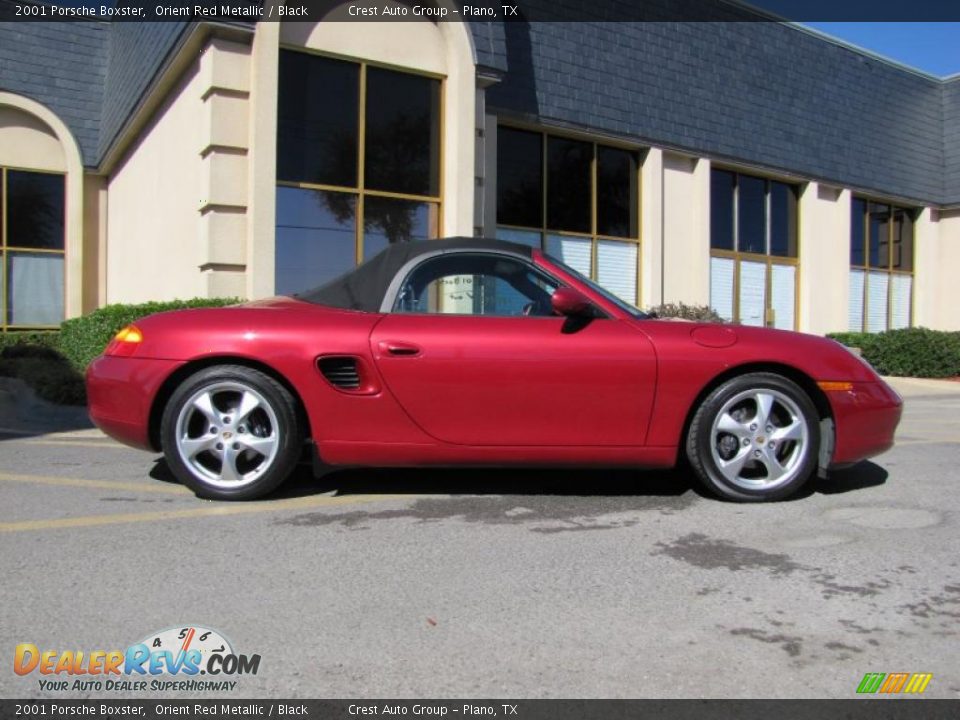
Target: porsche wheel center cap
[[227, 435]]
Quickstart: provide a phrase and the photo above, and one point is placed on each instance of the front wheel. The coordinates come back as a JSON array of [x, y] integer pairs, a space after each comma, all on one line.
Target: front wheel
[[754, 438], [231, 433]]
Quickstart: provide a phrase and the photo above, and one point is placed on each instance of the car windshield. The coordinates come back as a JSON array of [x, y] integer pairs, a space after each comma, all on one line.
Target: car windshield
[[599, 289]]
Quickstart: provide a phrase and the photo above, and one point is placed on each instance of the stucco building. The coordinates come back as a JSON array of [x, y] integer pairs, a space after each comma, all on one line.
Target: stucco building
[[775, 174]]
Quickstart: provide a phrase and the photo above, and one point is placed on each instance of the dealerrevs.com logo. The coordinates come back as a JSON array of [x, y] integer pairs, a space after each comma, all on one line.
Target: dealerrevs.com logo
[[165, 661]]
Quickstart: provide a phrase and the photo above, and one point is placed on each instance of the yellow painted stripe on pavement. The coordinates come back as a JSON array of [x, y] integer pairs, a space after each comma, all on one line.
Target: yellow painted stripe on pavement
[[219, 510], [148, 487], [74, 443]]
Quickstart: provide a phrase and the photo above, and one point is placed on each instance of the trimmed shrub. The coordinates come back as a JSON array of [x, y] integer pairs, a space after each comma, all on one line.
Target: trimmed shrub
[[83, 338], [697, 313], [46, 371], [859, 340], [15, 338], [910, 352]]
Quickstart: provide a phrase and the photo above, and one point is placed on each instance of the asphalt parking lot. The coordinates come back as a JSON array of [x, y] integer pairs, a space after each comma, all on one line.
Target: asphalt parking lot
[[497, 583]]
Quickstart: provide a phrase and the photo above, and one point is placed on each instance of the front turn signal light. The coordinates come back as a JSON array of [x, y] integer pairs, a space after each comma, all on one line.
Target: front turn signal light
[[125, 342], [835, 386]]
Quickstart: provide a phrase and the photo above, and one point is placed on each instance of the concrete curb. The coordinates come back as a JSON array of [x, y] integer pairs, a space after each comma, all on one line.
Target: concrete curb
[[913, 387]]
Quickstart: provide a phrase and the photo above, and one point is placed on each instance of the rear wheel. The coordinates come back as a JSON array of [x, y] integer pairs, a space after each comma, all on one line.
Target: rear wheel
[[231, 433], [755, 438]]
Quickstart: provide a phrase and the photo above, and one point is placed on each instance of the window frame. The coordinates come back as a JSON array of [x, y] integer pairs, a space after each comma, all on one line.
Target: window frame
[[360, 192], [766, 258], [592, 235], [6, 249], [888, 269]]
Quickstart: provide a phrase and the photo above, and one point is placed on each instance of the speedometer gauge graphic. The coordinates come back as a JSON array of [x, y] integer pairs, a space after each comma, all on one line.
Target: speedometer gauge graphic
[[180, 640]]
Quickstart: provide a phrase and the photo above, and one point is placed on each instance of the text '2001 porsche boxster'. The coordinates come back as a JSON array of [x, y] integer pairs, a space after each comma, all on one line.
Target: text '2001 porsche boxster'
[[480, 352]]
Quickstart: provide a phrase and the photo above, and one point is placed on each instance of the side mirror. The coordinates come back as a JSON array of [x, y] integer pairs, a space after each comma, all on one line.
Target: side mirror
[[570, 303]]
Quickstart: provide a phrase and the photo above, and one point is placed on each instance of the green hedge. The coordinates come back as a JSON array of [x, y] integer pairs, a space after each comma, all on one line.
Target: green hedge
[[15, 338], [910, 352], [35, 359], [83, 338]]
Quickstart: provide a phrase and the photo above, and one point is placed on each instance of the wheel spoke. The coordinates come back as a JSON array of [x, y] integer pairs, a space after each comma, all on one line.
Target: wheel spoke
[[774, 469], [264, 446], [248, 404], [728, 424], [764, 406], [793, 431], [734, 466], [204, 405], [193, 446], [228, 470]]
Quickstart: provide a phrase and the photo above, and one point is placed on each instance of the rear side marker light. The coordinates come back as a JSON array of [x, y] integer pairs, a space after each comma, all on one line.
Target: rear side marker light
[[834, 386]]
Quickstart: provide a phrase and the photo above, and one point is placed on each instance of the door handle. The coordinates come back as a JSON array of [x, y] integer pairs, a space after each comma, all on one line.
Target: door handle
[[399, 349]]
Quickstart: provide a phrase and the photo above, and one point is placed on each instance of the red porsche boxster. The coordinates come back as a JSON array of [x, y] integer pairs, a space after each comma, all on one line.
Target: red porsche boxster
[[481, 352]]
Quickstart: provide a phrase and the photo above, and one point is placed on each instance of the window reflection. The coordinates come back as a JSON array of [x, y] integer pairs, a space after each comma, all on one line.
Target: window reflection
[[722, 185], [902, 257], [881, 285], [783, 219], [756, 221], [388, 221], [32, 243], [878, 225], [589, 194], [402, 133], [616, 192], [519, 177], [35, 210], [315, 239], [751, 215], [327, 205], [568, 184], [317, 119], [858, 211]]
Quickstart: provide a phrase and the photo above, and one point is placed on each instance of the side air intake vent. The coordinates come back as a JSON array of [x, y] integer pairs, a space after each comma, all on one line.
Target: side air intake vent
[[340, 371]]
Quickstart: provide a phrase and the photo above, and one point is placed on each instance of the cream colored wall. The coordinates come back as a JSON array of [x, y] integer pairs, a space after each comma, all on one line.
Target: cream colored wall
[[651, 227], [686, 229], [33, 137], [27, 142], [94, 242], [153, 205], [824, 253], [176, 222], [936, 292], [929, 282]]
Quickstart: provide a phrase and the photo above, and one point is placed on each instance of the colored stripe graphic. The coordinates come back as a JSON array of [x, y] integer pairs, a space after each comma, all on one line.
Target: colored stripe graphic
[[918, 683], [893, 683], [871, 682]]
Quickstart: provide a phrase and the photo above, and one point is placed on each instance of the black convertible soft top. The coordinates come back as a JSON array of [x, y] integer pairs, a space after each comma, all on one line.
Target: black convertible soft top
[[364, 287]]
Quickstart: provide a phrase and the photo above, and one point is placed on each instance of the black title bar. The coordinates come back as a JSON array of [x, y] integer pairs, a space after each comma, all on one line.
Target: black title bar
[[479, 10], [863, 709]]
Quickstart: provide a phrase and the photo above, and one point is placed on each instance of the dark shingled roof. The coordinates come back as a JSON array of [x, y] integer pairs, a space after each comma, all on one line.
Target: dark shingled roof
[[61, 65], [759, 93]]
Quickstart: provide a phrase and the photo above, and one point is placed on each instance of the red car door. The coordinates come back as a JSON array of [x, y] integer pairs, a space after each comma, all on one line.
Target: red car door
[[487, 380]]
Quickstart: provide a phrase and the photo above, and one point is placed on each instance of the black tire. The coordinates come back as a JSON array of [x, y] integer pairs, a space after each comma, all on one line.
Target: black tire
[[737, 458], [256, 448]]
